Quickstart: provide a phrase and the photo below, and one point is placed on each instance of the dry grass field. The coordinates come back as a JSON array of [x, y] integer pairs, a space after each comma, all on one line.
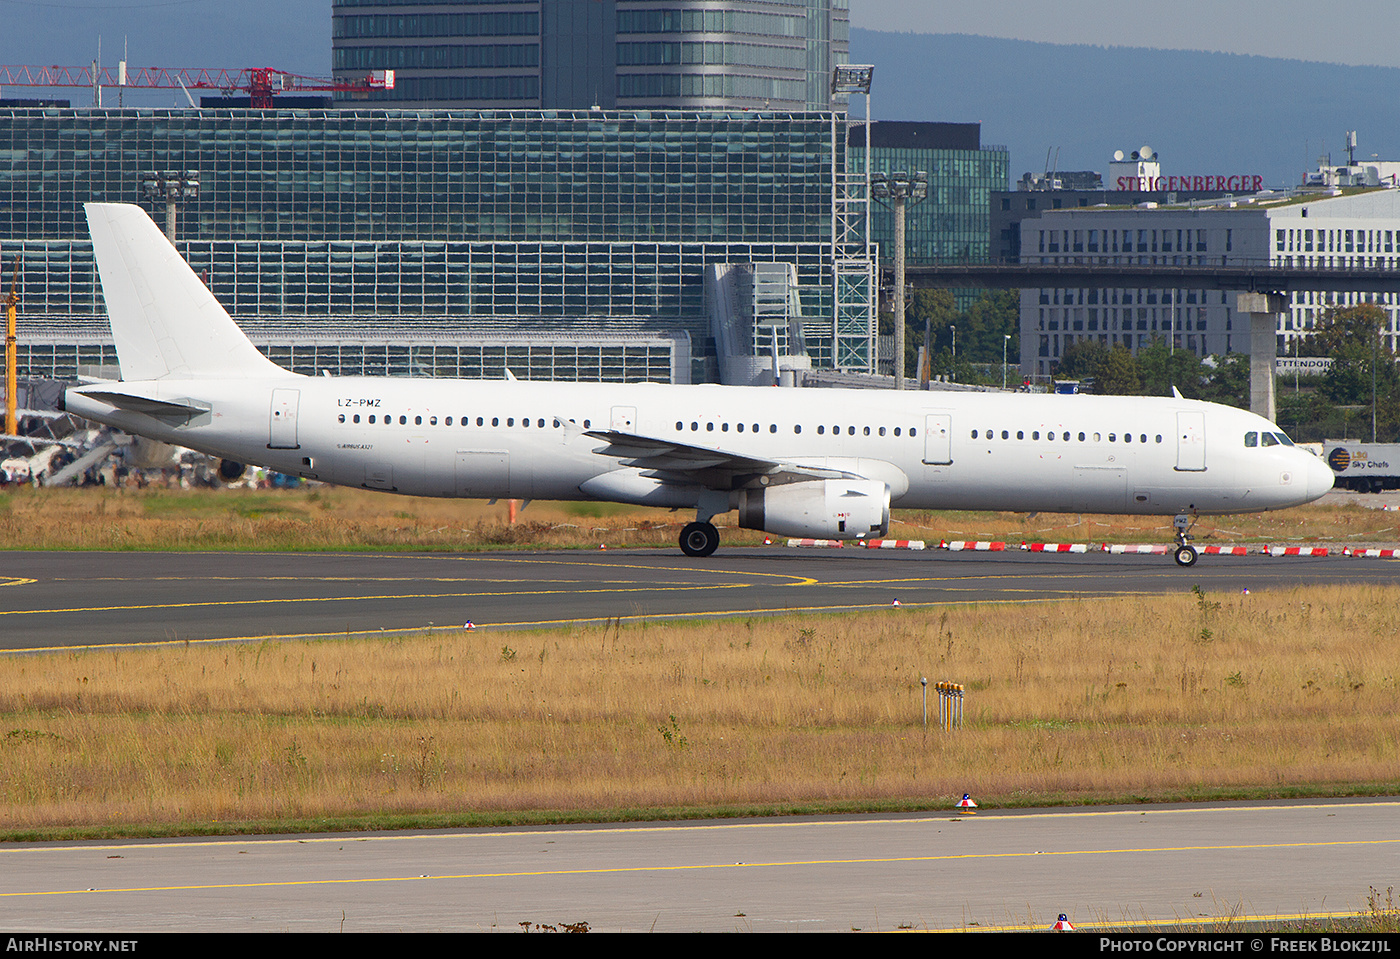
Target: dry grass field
[[1151, 698], [318, 518]]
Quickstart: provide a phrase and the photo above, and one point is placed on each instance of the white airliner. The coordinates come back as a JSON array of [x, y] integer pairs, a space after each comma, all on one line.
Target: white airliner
[[793, 462]]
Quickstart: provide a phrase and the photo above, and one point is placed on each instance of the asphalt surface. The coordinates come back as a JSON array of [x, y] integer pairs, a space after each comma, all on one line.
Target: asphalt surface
[[93, 599], [1111, 867]]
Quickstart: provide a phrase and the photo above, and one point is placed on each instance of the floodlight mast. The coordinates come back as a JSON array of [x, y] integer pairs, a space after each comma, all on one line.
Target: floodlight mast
[[172, 188], [853, 255], [899, 190]]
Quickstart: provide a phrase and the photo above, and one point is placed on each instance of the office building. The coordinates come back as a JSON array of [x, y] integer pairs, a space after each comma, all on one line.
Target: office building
[[1303, 229], [612, 54]]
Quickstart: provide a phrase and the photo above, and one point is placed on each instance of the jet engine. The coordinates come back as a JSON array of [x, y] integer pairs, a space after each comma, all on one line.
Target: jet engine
[[818, 509]]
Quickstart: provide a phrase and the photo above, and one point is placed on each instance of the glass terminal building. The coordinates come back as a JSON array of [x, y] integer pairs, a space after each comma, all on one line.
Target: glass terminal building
[[583, 245]]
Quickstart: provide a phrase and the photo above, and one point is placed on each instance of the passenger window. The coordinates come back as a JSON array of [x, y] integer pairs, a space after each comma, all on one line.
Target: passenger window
[[974, 434], [1159, 437], [1035, 435], [1005, 435], [371, 418], [896, 431], [1113, 437], [1065, 436], [912, 431], [724, 428], [403, 420], [1127, 437], [447, 422], [1142, 438], [882, 431], [821, 430], [432, 421], [796, 428], [1081, 437], [357, 417], [1020, 434]]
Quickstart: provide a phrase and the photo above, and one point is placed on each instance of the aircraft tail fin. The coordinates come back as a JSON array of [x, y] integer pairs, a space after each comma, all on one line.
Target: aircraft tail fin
[[165, 322]]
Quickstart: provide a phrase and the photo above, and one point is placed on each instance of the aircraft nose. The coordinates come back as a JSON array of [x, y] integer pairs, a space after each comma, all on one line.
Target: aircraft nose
[[1319, 477]]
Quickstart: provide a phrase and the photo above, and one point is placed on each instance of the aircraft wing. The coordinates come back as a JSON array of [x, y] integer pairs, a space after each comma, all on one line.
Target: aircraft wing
[[716, 468]]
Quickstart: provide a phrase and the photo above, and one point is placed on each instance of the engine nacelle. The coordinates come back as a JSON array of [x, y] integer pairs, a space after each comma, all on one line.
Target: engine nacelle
[[819, 509]]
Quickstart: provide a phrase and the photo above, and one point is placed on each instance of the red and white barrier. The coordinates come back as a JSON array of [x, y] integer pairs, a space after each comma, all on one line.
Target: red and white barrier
[[894, 544], [833, 543], [958, 545], [1156, 550], [1225, 550], [1056, 547], [1373, 553], [1294, 551]]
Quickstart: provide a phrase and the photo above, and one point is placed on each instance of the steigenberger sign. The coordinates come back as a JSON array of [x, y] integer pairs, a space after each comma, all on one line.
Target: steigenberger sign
[[1238, 183]]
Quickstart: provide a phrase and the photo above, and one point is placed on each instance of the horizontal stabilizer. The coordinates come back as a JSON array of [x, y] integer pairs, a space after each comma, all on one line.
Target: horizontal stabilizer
[[149, 405]]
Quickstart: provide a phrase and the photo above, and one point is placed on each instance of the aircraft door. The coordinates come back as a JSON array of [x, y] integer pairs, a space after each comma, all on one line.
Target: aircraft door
[[938, 438], [1191, 441], [624, 419], [282, 430]]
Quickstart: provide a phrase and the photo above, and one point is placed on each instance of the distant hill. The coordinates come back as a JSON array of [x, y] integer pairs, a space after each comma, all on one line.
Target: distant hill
[[1204, 113]]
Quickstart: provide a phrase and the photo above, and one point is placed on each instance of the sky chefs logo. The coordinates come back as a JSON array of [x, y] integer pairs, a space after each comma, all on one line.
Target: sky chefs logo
[[1339, 459], [1240, 183]]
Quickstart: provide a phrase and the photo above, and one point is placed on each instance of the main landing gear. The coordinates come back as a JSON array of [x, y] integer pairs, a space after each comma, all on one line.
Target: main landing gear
[[1185, 553], [699, 539]]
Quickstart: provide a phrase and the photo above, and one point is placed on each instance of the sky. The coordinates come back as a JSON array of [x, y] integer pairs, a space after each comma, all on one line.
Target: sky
[[1356, 33], [294, 35]]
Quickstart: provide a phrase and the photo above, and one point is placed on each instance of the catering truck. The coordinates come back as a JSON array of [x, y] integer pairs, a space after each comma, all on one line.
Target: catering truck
[[1363, 467]]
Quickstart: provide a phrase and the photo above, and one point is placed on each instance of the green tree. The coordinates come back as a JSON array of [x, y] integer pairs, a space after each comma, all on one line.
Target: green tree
[[1162, 368], [1362, 361], [1118, 375], [1227, 379], [1082, 360]]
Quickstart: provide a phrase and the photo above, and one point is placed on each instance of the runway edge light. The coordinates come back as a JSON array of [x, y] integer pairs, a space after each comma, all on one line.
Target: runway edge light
[[1062, 924]]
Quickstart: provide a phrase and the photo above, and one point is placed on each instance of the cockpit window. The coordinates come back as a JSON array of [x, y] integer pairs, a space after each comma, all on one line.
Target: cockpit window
[[1251, 440], [1282, 438], [1270, 439]]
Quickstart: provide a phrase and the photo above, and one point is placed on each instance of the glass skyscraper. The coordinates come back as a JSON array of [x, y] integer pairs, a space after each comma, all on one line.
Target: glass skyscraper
[[612, 54]]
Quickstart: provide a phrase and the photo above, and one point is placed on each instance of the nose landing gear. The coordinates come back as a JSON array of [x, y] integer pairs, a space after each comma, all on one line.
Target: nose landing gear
[[1185, 554]]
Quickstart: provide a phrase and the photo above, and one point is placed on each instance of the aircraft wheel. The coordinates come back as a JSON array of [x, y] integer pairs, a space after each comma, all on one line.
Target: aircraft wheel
[[699, 539], [1186, 556]]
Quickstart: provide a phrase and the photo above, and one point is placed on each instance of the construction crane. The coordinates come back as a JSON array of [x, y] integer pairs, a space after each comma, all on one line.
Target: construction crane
[[261, 84]]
